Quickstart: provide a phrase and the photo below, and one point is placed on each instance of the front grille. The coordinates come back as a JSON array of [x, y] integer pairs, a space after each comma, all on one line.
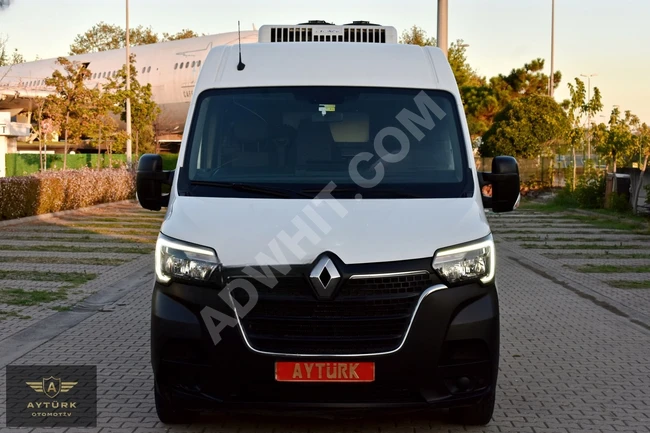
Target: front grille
[[367, 315]]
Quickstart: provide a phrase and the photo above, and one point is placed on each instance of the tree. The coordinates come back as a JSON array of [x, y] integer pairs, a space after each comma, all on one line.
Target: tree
[[17, 58], [643, 137], [465, 75], [5, 58], [416, 36], [577, 106], [69, 105], [621, 141], [144, 110], [484, 100], [527, 128], [101, 126], [101, 37], [104, 37], [183, 34]]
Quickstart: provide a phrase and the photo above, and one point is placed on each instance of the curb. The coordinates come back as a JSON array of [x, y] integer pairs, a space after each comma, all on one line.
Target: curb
[[46, 216]]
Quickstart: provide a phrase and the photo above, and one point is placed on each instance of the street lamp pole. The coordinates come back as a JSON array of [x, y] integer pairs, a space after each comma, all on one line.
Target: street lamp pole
[[128, 90], [442, 26], [551, 84], [588, 112]]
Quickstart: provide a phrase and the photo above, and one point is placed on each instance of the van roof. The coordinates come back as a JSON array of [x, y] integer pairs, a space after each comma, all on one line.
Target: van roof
[[327, 64]]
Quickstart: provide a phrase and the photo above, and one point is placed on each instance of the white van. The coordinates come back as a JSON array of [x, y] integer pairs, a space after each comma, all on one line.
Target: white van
[[325, 244]]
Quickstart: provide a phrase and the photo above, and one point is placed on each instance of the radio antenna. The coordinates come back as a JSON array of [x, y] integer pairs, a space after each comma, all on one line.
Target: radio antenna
[[240, 66]]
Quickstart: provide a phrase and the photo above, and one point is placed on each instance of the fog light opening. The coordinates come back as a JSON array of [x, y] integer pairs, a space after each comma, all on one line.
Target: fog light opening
[[463, 383]]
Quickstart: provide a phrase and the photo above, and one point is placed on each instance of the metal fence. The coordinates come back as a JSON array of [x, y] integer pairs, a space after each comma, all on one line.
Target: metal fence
[[547, 171]]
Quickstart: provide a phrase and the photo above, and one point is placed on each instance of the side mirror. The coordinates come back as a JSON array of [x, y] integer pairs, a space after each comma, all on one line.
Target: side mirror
[[504, 180], [150, 178]]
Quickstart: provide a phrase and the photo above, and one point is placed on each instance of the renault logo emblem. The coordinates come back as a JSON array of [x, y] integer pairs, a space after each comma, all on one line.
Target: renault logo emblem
[[325, 277]]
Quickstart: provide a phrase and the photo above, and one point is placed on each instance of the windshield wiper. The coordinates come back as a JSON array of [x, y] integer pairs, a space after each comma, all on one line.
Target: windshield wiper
[[278, 192], [370, 191]]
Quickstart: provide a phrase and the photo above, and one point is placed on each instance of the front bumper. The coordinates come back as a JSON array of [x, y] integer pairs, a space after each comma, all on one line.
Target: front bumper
[[454, 334]]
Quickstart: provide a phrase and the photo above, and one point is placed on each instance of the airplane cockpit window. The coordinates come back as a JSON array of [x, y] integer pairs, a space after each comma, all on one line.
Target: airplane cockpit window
[[176, 66], [144, 68], [198, 64], [149, 69], [193, 63], [187, 65], [181, 67]]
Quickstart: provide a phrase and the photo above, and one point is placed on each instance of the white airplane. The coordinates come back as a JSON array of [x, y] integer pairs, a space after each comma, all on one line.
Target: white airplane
[[170, 67]]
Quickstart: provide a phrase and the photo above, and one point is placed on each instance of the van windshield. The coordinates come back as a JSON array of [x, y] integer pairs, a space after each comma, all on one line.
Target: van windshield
[[291, 142]]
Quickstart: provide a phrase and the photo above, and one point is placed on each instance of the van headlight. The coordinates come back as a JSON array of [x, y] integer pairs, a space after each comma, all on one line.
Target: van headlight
[[472, 262], [182, 261]]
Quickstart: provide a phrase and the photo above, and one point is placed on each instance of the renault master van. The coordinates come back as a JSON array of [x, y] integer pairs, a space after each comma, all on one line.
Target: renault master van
[[325, 245]]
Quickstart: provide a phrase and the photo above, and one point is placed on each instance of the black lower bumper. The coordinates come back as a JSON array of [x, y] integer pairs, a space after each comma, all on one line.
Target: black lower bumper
[[448, 358]]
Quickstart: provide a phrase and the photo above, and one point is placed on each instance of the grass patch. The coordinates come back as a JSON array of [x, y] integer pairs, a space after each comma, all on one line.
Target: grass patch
[[85, 238], [47, 229], [117, 219], [558, 239], [63, 260], [585, 247], [597, 256], [8, 314], [75, 249], [30, 297], [606, 223], [117, 226], [549, 206], [612, 269], [72, 278], [630, 284]]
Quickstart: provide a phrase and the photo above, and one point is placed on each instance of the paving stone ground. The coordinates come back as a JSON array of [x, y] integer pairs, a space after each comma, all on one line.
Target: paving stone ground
[[568, 363], [60, 244], [606, 244]]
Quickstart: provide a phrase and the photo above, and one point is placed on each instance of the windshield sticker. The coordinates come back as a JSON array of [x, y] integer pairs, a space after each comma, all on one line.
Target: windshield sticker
[[324, 108]]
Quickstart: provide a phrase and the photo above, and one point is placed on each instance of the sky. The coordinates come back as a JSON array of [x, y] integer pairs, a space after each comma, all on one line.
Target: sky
[[609, 38]]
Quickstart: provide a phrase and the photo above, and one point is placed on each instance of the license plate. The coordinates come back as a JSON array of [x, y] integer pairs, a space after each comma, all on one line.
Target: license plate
[[324, 371]]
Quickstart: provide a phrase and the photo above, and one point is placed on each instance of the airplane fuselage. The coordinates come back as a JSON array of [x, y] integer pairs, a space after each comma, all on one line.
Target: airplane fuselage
[[170, 67]]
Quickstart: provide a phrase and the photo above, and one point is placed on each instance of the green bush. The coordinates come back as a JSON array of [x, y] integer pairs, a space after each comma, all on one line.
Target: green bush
[[590, 190], [565, 198], [619, 202], [24, 164], [54, 191]]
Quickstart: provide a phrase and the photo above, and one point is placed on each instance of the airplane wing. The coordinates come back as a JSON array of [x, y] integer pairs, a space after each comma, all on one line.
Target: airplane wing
[[17, 100]]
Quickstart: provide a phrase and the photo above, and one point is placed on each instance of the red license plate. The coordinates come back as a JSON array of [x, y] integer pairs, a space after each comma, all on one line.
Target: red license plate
[[324, 371]]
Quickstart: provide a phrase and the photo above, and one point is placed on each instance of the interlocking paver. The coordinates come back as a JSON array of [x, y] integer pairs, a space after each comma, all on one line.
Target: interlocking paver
[[26, 239], [567, 363]]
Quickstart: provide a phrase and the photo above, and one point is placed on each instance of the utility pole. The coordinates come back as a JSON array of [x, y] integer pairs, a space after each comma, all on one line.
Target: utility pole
[[588, 112], [441, 39], [552, 84], [128, 89]]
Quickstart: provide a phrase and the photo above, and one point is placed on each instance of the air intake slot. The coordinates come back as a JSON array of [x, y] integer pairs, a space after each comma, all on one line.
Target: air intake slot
[[360, 32]]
